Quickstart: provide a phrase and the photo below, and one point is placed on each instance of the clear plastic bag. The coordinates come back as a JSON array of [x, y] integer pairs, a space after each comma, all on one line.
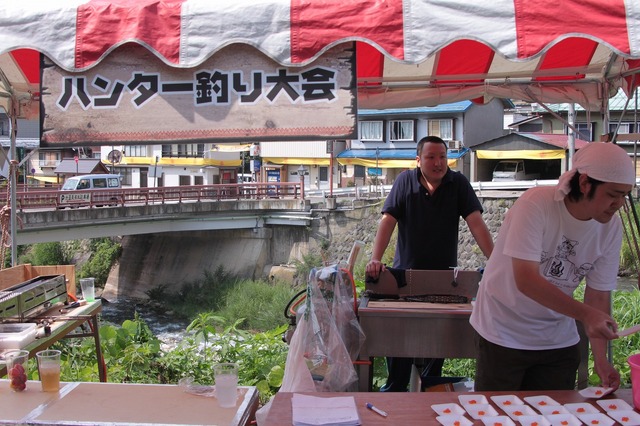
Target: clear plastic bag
[[327, 338], [329, 334]]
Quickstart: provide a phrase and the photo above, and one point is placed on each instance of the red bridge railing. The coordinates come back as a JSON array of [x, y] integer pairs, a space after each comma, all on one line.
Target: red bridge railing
[[37, 198]]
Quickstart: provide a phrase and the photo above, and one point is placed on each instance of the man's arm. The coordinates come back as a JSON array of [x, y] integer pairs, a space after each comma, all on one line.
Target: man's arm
[[480, 232], [601, 300], [380, 243]]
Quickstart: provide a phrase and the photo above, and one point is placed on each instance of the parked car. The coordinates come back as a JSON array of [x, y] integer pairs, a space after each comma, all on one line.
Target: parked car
[[507, 170]]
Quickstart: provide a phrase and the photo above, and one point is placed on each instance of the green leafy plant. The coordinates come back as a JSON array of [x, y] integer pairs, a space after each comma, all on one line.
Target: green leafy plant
[[105, 252]]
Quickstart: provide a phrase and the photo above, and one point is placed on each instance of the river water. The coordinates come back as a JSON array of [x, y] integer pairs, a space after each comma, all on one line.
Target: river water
[[164, 325]]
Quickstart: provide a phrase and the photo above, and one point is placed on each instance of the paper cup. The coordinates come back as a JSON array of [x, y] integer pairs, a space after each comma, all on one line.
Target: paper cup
[[634, 363]]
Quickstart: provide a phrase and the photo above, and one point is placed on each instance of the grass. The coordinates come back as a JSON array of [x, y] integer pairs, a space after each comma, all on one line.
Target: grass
[[257, 305]]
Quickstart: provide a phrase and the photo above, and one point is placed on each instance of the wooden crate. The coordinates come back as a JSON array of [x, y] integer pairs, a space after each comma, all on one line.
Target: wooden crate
[[21, 273]]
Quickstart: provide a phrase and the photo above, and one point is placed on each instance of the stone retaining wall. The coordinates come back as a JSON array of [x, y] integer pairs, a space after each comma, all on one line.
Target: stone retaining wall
[[361, 223]]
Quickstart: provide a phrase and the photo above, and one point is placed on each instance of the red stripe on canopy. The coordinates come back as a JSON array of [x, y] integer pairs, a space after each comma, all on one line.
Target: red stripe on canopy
[[102, 24], [572, 52], [369, 63], [540, 22], [28, 61], [316, 24], [633, 81], [464, 57]]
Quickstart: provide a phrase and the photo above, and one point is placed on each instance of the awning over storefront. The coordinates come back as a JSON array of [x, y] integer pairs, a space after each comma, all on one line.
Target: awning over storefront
[[534, 154], [48, 179], [297, 161], [390, 158]]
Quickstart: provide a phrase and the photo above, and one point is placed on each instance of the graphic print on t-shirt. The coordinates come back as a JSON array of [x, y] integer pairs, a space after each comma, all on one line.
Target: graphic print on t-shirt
[[560, 267]]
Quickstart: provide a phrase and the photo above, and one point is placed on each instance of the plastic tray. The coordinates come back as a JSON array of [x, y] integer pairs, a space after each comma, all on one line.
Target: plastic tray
[[17, 336]]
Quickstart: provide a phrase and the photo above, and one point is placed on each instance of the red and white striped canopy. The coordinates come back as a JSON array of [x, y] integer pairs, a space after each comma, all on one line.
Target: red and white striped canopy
[[409, 52]]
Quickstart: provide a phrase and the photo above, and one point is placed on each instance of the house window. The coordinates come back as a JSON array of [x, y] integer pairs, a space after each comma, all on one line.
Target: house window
[[135, 151], [192, 150], [624, 129], [441, 128], [323, 174], [401, 130], [359, 171], [48, 159], [125, 174], [371, 130], [585, 131]]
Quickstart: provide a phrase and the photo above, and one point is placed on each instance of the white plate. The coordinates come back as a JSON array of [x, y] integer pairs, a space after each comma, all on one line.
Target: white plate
[[553, 409], [595, 392], [535, 420], [581, 408], [506, 400], [448, 409], [540, 401], [625, 417], [596, 419], [497, 421], [563, 420], [516, 411], [472, 399], [453, 420], [478, 411], [613, 404]]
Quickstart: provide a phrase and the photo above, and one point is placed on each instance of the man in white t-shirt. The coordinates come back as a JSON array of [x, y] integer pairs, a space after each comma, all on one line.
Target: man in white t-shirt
[[551, 239]]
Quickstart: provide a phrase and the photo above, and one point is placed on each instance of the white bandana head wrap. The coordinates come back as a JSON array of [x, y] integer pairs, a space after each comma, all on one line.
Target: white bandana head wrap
[[602, 161]]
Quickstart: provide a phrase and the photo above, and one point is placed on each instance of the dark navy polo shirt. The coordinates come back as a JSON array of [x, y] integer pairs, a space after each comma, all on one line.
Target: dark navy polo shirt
[[428, 223]]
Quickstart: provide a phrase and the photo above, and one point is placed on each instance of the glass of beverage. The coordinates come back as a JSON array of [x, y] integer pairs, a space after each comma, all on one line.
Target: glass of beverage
[[49, 369], [88, 289], [226, 377], [17, 369]]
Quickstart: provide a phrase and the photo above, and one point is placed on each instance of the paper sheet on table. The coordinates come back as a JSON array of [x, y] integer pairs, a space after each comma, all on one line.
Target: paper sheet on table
[[316, 411]]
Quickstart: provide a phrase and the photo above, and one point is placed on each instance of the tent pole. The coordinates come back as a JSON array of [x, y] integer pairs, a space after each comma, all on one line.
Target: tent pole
[[571, 139], [13, 179]]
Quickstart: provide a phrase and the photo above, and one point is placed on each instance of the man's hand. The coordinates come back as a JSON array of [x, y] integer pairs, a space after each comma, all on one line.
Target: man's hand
[[599, 325], [374, 268], [609, 376]]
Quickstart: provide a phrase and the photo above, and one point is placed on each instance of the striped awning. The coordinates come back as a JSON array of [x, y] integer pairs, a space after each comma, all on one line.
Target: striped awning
[[390, 158], [408, 52]]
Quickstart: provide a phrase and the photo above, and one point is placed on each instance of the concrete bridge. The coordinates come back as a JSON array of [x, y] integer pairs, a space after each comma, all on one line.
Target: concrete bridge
[[137, 213]]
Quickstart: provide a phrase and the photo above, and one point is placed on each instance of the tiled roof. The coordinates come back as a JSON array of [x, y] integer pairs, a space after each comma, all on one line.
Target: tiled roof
[[561, 141], [461, 106]]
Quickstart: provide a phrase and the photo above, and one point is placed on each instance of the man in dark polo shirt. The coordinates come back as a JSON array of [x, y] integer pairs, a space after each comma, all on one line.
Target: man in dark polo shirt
[[426, 203]]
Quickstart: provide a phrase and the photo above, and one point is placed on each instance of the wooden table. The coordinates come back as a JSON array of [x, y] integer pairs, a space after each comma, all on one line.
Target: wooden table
[[412, 332], [63, 326], [423, 330], [414, 408], [83, 404]]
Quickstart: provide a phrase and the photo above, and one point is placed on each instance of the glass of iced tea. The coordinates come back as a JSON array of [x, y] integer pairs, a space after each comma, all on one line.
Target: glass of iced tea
[[49, 369]]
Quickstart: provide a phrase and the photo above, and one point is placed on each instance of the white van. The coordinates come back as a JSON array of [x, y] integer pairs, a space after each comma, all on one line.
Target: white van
[[87, 184]]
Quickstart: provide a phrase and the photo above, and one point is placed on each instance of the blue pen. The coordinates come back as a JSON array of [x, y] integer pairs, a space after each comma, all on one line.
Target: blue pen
[[376, 410]]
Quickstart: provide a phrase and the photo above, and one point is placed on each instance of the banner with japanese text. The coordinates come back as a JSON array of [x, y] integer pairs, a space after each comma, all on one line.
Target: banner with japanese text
[[238, 94]]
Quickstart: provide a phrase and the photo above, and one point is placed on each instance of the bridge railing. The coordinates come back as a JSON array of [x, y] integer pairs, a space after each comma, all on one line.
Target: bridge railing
[[56, 199]]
